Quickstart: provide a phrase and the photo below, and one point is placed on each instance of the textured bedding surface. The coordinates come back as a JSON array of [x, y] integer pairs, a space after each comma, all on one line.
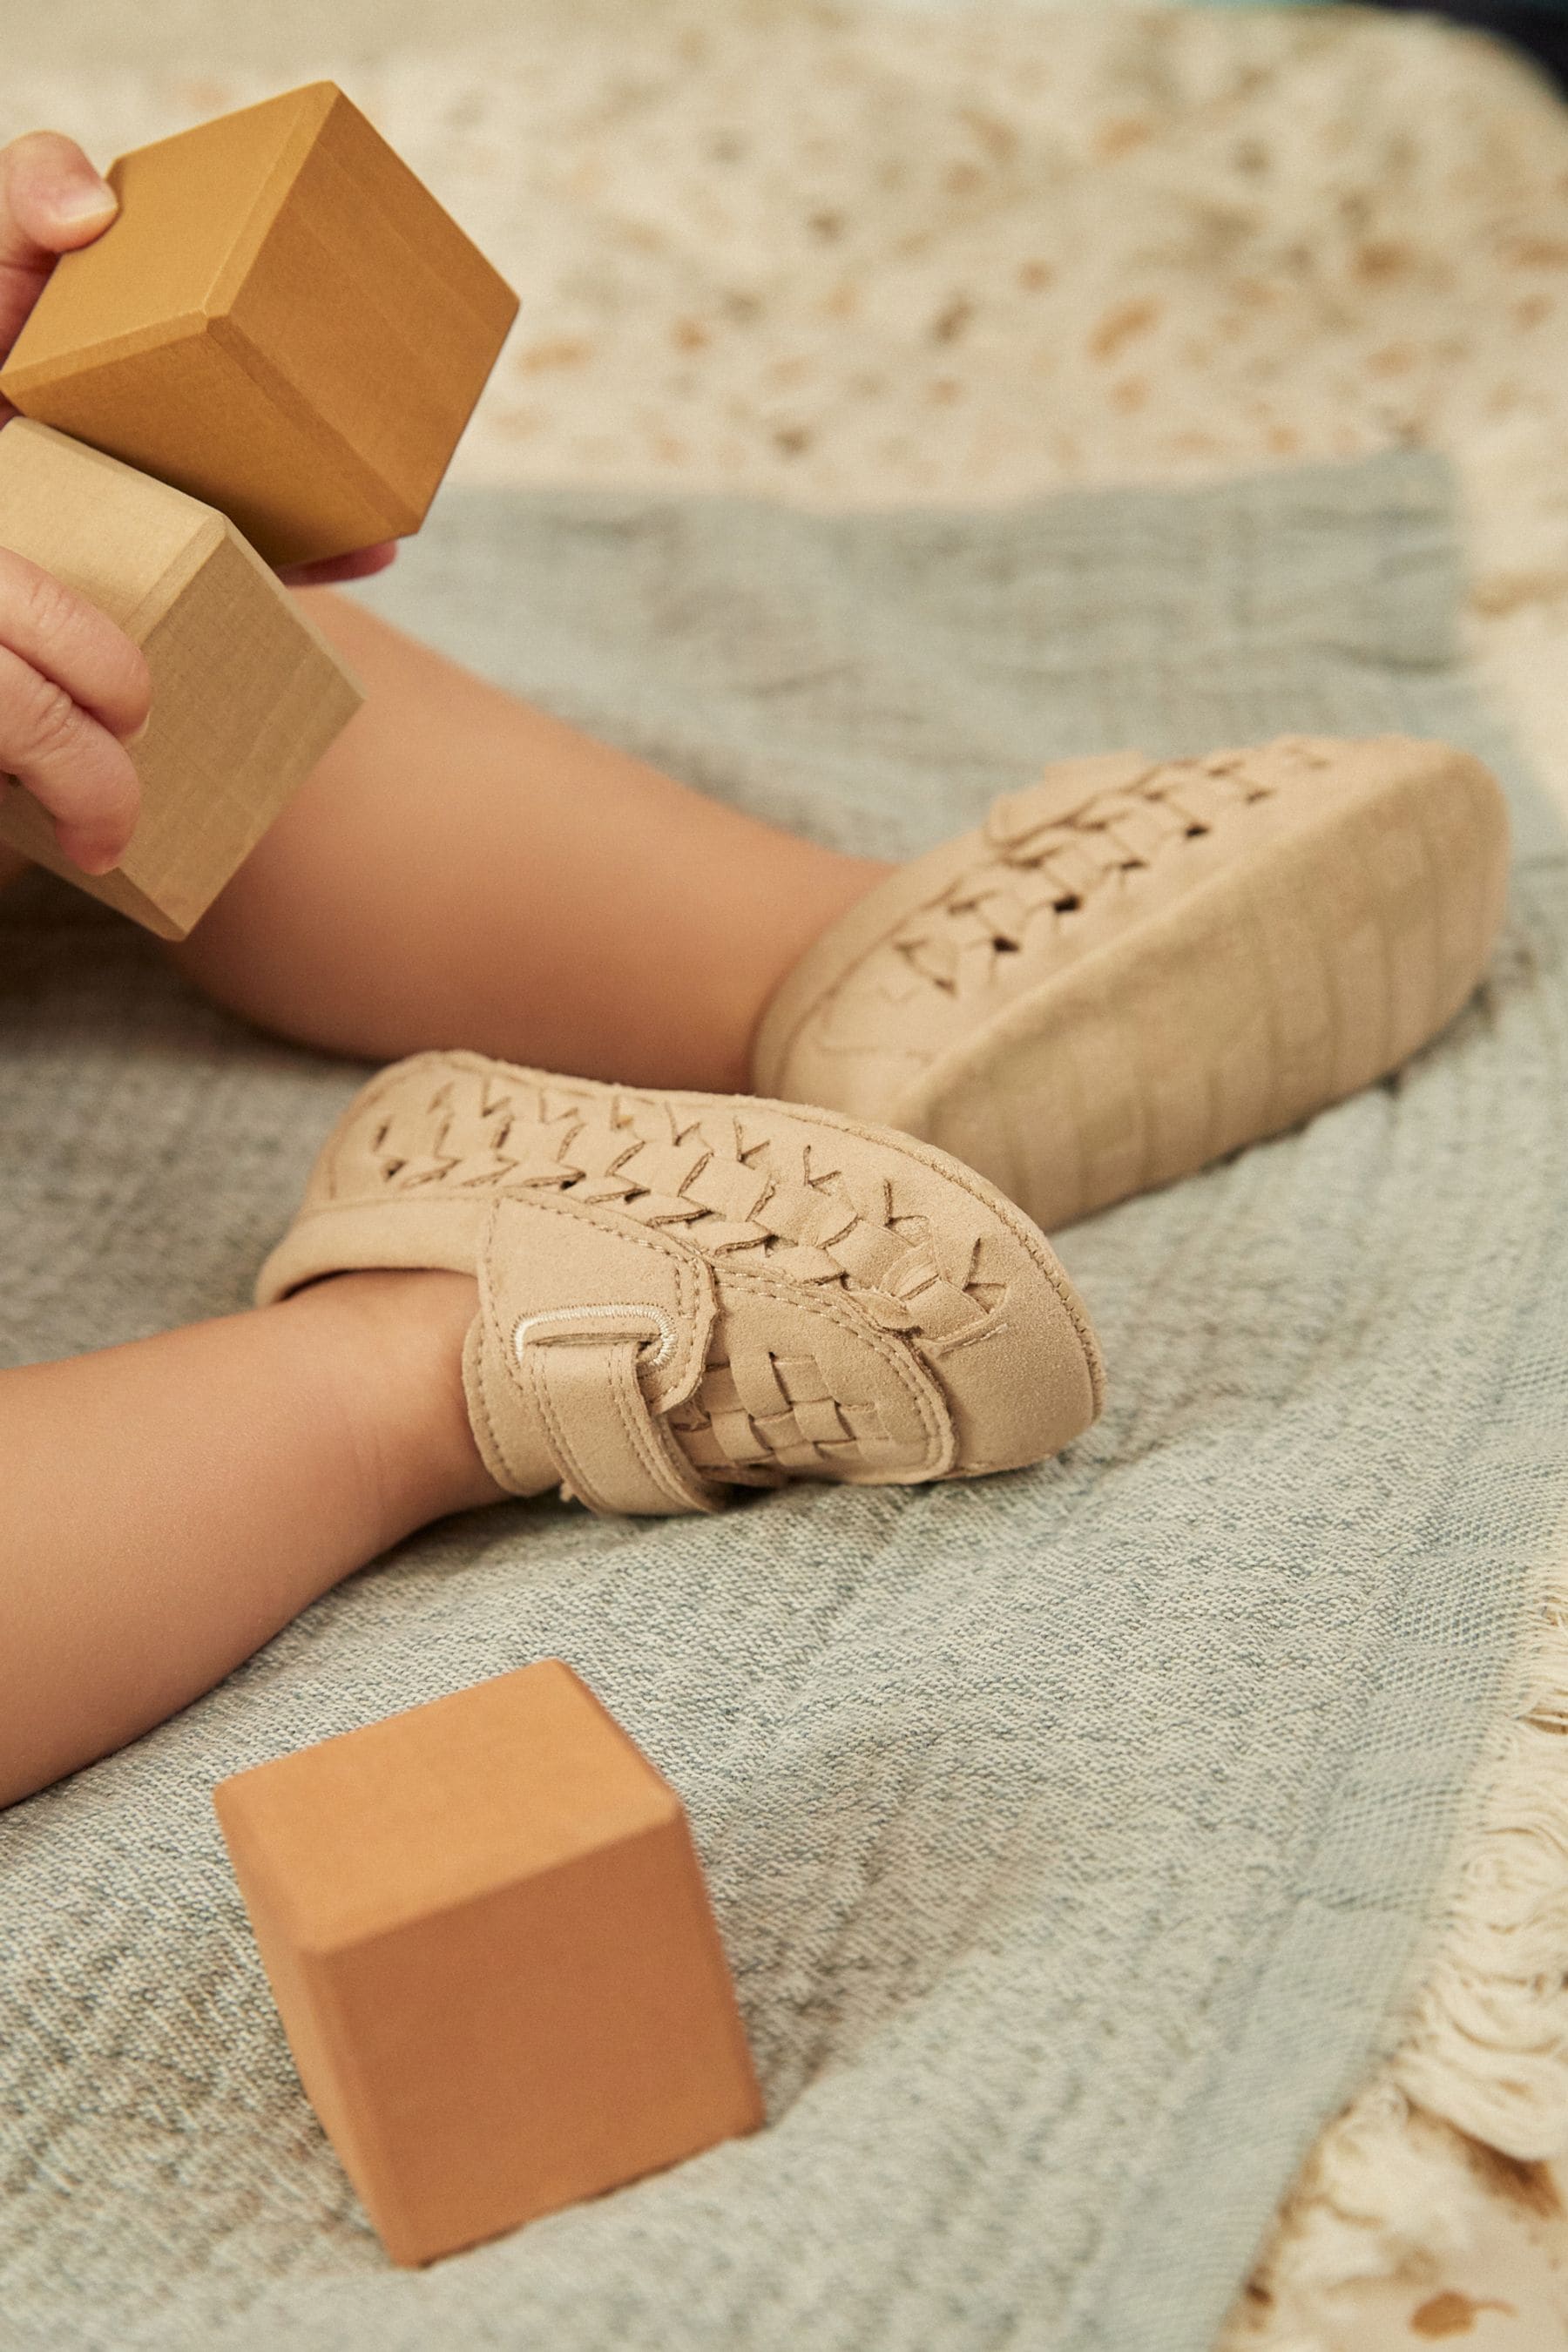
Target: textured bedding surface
[[1075, 1835]]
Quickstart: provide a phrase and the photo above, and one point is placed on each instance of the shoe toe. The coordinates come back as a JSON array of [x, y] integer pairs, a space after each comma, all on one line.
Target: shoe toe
[[949, 1297]]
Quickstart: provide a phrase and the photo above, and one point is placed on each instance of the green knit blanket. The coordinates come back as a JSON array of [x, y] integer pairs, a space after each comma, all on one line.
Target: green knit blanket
[[1076, 1836]]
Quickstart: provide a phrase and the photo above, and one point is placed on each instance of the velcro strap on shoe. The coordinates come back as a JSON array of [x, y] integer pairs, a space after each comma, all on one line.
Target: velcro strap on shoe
[[590, 1329]]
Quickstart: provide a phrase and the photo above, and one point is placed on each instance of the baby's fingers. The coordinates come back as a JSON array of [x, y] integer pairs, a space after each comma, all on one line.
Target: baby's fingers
[[73, 644], [75, 769]]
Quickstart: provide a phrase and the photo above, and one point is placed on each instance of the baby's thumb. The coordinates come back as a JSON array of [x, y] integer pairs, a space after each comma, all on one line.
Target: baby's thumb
[[51, 200]]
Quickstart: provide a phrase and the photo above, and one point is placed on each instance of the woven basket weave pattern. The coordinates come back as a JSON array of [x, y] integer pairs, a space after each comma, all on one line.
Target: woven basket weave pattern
[[743, 1197]]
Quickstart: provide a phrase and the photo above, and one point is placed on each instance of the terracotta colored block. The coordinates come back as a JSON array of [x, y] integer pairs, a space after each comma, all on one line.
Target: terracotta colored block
[[282, 320], [247, 694], [488, 1933]]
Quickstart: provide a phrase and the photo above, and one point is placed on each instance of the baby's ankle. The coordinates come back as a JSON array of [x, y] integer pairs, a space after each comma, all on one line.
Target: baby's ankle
[[396, 1342]]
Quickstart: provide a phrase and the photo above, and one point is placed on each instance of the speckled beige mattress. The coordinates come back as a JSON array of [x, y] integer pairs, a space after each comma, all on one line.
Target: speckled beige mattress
[[868, 254]]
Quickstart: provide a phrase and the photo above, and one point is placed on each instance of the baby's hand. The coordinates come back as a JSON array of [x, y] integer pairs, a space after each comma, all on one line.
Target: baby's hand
[[51, 201], [72, 686]]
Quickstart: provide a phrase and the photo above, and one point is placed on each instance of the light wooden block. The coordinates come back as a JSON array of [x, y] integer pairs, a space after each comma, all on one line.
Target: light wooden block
[[247, 694], [281, 320], [487, 1932]]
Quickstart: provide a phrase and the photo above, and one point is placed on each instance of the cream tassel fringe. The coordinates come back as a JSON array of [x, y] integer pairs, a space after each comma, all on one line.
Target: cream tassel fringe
[[1475, 2098]]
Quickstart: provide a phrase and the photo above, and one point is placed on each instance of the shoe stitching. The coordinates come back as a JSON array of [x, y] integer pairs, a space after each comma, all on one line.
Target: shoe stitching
[[623, 1377], [574, 1485]]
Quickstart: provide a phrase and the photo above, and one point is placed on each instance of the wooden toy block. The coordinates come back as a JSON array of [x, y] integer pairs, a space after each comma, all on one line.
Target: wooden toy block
[[247, 694], [281, 320], [487, 1931]]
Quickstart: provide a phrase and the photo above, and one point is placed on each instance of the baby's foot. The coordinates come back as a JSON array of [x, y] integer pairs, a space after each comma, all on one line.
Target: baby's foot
[[680, 1293], [1137, 966]]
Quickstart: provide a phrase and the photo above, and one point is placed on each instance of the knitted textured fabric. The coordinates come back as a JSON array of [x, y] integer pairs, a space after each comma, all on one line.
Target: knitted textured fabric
[[1139, 965], [681, 1292], [1076, 1835]]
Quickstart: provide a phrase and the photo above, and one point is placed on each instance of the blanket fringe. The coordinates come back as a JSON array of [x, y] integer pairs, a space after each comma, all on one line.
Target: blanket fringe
[[1488, 2045], [1474, 2100]]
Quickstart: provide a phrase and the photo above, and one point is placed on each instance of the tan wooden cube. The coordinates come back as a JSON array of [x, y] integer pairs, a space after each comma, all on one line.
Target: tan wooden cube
[[247, 694], [281, 320], [487, 1932]]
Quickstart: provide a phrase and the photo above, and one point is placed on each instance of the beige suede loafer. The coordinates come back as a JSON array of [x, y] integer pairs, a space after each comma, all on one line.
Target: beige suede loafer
[[1136, 966], [682, 1293]]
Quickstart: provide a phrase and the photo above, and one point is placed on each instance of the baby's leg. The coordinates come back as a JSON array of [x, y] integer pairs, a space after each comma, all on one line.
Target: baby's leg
[[464, 869], [171, 1504]]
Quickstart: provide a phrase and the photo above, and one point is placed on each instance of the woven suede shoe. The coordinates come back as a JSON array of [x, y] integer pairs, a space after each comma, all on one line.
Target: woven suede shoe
[[1136, 966], [683, 1293]]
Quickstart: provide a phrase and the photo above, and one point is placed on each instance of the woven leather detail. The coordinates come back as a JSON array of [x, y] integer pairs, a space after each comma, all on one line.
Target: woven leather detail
[[771, 1415], [1045, 875], [748, 1200]]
